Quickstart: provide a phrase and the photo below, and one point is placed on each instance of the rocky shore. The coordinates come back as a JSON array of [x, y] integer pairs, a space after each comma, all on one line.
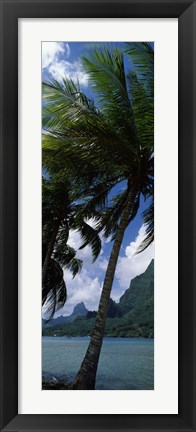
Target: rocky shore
[[51, 382]]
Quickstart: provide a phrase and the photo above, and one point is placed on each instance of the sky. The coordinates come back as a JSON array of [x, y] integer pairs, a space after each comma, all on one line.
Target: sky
[[63, 59]]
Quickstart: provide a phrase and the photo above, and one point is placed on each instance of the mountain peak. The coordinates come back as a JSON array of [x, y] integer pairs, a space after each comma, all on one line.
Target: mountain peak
[[80, 309], [141, 287]]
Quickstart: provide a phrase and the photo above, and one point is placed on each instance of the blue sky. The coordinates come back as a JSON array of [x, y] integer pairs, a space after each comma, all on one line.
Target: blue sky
[[63, 59]]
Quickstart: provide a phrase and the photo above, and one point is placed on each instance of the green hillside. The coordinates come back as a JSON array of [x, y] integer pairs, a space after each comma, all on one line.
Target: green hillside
[[133, 316]]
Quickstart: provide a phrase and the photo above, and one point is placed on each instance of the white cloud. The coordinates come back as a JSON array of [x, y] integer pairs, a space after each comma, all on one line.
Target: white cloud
[[65, 69], [84, 288], [87, 285], [131, 265], [85, 254], [51, 52], [54, 60]]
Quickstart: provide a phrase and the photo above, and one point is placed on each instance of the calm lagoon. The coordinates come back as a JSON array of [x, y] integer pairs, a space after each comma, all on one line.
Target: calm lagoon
[[125, 364]]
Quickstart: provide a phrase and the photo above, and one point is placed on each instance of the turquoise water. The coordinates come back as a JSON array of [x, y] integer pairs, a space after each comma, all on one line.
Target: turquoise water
[[125, 364]]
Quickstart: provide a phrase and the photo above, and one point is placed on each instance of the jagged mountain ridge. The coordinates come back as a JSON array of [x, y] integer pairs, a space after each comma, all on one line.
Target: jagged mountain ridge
[[79, 310], [133, 316]]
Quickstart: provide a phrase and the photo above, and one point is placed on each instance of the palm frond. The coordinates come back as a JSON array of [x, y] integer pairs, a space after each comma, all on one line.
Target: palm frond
[[90, 237], [54, 292], [149, 225], [143, 110], [74, 265], [141, 55], [109, 218], [107, 74]]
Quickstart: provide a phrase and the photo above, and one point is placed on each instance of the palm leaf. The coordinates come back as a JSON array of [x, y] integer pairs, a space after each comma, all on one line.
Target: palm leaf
[[54, 292], [143, 110], [89, 236], [149, 224], [107, 74], [141, 55]]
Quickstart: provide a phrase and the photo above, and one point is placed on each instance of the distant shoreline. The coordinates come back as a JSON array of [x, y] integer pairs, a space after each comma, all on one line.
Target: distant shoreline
[[105, 337]]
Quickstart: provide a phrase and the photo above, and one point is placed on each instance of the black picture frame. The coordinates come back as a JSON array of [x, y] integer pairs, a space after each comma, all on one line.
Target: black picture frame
[[11, 11]]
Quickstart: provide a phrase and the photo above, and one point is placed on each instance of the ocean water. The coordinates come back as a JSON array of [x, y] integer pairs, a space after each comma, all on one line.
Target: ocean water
[[125, 364]]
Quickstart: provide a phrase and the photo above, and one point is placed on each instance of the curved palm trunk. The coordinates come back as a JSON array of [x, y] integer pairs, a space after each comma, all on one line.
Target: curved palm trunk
[[49, 251], [86, 377]]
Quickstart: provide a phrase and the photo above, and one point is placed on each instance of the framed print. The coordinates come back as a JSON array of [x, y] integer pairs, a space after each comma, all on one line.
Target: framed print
[[111, 89], [83, 291]]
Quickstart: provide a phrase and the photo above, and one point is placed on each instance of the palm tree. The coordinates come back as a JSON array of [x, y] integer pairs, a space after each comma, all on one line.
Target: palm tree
[[119, 135]]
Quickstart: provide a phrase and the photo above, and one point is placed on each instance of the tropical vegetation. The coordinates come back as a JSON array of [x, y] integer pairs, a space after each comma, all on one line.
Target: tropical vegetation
[[101, 146]]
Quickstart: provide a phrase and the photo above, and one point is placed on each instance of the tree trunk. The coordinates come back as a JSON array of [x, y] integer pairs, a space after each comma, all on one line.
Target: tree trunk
[[49, 251], [86, 377]]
